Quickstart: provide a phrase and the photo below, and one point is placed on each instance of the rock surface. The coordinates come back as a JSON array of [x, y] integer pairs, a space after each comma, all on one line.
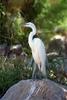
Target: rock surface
[[36, 90]]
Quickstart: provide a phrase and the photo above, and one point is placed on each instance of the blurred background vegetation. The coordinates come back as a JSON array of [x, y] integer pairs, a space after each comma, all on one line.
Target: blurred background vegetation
[[48, 15]]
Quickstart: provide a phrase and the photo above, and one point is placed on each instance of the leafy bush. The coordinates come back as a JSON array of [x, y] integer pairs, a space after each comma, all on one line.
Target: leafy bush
[[56, 70], [12, 71], [2, 22]]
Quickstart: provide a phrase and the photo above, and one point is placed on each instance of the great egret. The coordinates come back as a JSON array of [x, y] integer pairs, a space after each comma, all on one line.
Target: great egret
[[38, 49]]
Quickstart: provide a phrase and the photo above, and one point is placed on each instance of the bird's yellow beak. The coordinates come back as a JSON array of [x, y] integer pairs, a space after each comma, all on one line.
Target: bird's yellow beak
[[26, 25]]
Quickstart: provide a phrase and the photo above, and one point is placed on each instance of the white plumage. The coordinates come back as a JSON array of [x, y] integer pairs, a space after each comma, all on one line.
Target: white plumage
[[37, 48]]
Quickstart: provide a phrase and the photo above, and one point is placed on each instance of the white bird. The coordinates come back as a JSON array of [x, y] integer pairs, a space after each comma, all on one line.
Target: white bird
[[37, 48]]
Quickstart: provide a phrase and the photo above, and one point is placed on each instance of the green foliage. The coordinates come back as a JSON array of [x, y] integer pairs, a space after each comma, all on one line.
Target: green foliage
[[12, 71], [56, 70], [14, 27], [32, 10], [51, 16], [46, 14], [2, 21]]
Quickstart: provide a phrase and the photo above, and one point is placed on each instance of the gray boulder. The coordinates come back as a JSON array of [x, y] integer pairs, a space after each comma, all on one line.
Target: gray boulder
[[36, 90]]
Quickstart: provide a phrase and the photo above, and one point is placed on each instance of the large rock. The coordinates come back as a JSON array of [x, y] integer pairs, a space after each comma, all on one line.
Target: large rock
[[57, 45], [36, 90]]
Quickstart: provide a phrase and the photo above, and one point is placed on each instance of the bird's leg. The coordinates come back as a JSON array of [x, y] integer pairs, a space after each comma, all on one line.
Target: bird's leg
[[32, 61], [34, 71], [42, 71], [34, 67], [39, 71]]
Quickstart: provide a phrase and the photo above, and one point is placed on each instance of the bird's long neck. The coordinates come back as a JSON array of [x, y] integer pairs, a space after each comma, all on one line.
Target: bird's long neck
[[30, 38]]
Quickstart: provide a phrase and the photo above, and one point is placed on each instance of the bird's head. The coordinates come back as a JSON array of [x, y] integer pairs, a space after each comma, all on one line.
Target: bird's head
[[30, 25]]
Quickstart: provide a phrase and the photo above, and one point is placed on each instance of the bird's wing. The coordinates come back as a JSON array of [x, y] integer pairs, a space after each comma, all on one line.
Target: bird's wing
[[41, 49], [42, 55]]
